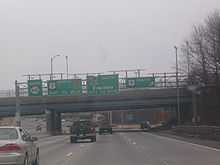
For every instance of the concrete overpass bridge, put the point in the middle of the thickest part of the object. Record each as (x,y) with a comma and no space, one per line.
(133,93)
(53,106)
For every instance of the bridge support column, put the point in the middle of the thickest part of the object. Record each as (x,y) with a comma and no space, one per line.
(50,122)
(58,123)
(110,117)
(122,117)
(53,120)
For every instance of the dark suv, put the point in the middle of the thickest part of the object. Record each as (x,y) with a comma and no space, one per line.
(82,129)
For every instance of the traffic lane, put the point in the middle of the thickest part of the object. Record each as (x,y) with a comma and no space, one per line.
(43,142)
(108,150)
(127,149)
(112,150)
(57,150)
(168,151)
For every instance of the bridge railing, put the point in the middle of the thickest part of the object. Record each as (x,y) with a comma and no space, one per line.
(7,93)
(161,80)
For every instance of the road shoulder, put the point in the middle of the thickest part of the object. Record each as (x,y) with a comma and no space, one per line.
(194,140)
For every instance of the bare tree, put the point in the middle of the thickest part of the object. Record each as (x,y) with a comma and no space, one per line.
(201,52)
(212,36)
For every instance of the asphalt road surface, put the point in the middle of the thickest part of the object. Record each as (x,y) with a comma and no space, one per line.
(137,148)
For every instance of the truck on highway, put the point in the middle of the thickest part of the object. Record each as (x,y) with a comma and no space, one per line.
(82,129)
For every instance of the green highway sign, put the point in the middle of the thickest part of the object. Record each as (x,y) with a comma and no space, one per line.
(140,82)
(107,84)
(65,87)
(35,88)
(130,116)
(102,85)
(91,85)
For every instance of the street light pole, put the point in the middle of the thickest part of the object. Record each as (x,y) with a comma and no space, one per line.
(51,68)
(177,85)
(51,65)
(67,68)
(18,111)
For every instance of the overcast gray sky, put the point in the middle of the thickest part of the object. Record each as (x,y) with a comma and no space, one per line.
(97,35)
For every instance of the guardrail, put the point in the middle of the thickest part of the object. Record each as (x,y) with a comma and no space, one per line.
(207,132)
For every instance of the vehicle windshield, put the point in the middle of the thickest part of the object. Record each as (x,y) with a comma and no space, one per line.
(82,123)
(8,134)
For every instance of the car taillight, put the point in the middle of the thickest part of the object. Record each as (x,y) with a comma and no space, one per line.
(93,129)
(10,147)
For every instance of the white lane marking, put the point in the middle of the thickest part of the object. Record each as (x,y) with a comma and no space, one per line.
(82,145)
(165,163)
(52,141)
(129,140)
(185,142)
(69,154)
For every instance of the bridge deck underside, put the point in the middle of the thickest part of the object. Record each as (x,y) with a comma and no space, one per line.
(125,100)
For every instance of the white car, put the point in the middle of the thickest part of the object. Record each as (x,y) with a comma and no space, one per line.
(17,147)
